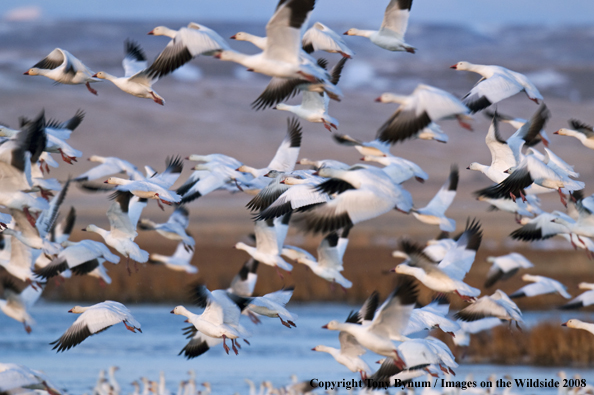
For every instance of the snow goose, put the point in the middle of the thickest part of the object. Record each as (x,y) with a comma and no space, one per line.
(432,316)
(77,254)
(138,78)
(62,67)
(505,266)
(19,379)
(389,371)
(545,226)
(15,302)
(122,218)
(314,105)
(95,319)
(540,285)
(155,187)
(107,166)
(320,37)
(174,229)
(577,324)
(502,157)
(427,351)
(399,169)
(434,212)
(462,336)
(186,44)
(363,193)
(244,282)
(273,305)
(220,318)
(16,157)
(318,164)
(521,132)
(530,170)
(269,244)
(300,195)
(286,154)
(584,224)
(348,354)
(497,83)
(498,305)
(280,57)
(375,330)
(583,300)
(581,131)
(181,260)
(328,265)
(218,172)
(365,148)
(391,33)
(199,343)
(112,380)
(448,275)
(426,105)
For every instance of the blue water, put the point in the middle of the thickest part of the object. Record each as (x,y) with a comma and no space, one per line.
(275,353)
(460,12)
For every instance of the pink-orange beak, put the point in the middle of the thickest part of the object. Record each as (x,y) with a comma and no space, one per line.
(70,311)
(233,37)
(172,312)
(379,99)
(325,326)
(26,72)
(94,75)
(455,67)
(313,349)
(105,182)
(557,132)
(564,324)
(345,33)
(151,33)
(217,55)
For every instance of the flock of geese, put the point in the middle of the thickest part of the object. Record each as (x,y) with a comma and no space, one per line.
(329,199)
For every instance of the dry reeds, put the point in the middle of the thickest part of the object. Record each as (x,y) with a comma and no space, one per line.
(545,344)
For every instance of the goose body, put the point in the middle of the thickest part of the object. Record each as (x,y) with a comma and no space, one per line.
(62,67)
(390,36)
(95,319)
(497,83)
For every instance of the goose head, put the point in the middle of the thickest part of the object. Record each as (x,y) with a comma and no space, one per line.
(461,66)
(475,166)
(565,132)
(573,323)
(332,325)
(101,75)
(78,310)
(240,36)
(179,310)
(391,98)
(32,71)
(352,32)
(162,31)
(282,107)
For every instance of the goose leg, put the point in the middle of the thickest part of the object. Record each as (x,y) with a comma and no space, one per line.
(562,197)
(45,193)
(41,162)
(158,101)
(523,196)
(233,346)
(247,342)
(283,322)
(253,317)
(93,91)
(292,323)
(130,328)
(398,361)
(279,273)
(225,346)
(29,216)
(465,125)
(326,125)
(66,158)
(128,266)
(160,205)
(27,327)
(237,344)
(518,326)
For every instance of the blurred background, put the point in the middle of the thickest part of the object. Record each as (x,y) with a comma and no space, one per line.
(208,110)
